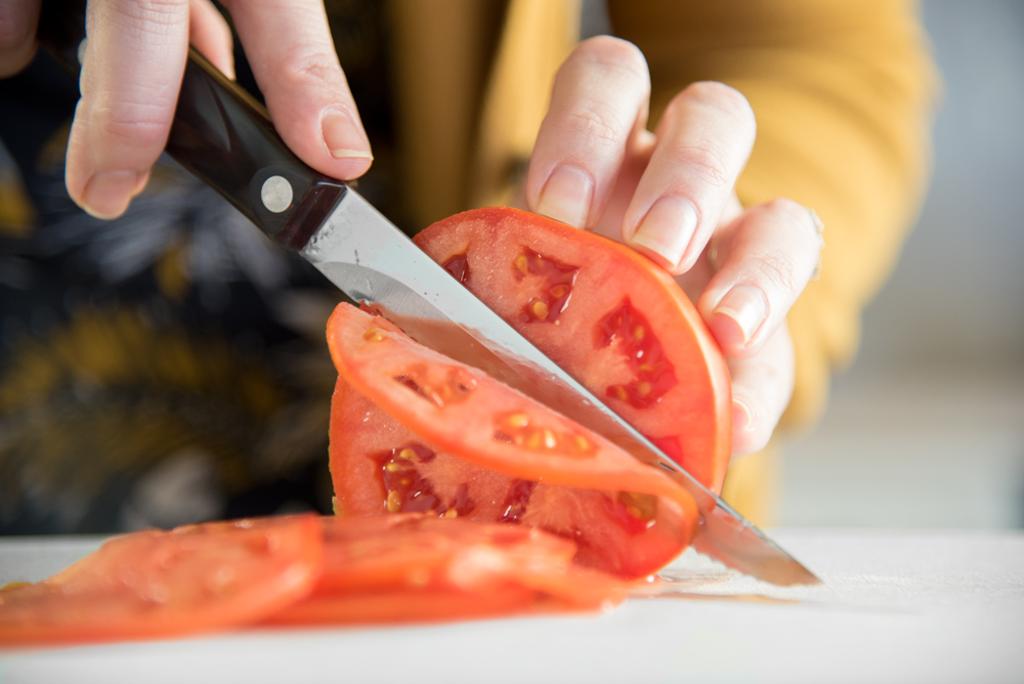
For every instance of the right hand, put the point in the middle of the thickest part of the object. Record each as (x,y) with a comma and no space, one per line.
(134,61)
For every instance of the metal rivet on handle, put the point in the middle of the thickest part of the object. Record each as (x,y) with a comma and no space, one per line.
(276,194)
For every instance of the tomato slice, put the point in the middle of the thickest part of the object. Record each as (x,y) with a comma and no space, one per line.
(371,454)
(456,410)
(153,584)
(415,568)
(615,321)
(406,605)
(467,413)
(415,550)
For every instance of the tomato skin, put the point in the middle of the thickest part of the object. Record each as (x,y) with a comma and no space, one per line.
(683,403)
(156,584)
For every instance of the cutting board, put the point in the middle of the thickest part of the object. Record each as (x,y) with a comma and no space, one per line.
(905,606)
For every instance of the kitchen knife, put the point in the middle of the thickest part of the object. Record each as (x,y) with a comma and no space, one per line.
(225,138)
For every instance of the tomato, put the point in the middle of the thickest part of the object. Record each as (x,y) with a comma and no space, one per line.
(406,605)
(457,417)
(415,550)
(368,450)
(153,584)
(607,315)
(415,568)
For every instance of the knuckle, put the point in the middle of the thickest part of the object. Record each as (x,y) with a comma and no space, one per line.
(595,123)
(705,160)
(776,271)
(139,127)
(303,67)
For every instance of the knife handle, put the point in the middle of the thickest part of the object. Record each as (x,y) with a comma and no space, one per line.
(224,137)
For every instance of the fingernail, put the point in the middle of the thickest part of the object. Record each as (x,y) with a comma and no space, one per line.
(744,309)
(742,418)
(667,229)
(108,193)
(567,195)
(343,137)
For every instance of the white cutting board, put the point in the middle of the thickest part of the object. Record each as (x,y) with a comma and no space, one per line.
(896,607)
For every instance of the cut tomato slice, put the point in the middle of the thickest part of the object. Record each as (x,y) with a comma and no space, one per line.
(415,568)
(415,550)
(405,605)
(607,315)
(154,584)
(467,413)
(371,455)
(453,409)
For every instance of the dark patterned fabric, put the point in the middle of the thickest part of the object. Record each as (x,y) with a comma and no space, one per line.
(169,366)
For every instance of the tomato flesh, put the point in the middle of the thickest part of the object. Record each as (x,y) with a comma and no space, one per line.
(496,453)
(610,531)
(416,568)
(607,315)
(154,584)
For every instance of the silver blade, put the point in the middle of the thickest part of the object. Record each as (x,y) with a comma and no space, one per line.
(368,258)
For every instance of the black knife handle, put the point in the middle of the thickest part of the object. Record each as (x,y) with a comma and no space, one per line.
(225,138)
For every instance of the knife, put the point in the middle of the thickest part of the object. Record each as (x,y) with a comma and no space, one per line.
(225,138)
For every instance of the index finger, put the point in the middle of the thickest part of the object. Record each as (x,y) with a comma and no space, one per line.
(292,54)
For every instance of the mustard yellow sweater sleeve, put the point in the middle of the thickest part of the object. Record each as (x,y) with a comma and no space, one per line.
(842,92)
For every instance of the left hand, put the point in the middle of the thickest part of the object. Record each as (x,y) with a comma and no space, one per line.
(669,194)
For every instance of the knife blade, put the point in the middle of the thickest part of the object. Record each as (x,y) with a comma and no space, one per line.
(226,139)
(370,259)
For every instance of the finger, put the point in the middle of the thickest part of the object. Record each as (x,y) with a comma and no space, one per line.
(292,54)
(761,387)
(131,74)
(18,20)
(209,32)
(704,139)
(599,99)
(769,254)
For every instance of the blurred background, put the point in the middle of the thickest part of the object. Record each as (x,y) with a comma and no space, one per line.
(926,428)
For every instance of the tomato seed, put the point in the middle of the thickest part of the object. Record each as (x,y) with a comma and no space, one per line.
(540,310)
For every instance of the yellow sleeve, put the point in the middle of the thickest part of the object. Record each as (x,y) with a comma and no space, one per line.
(842,92)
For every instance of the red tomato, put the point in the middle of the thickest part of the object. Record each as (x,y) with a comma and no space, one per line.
(611,530)
(415,568)
(154,584)
(415,550)
(615,321)
(406,605)
(456,410)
